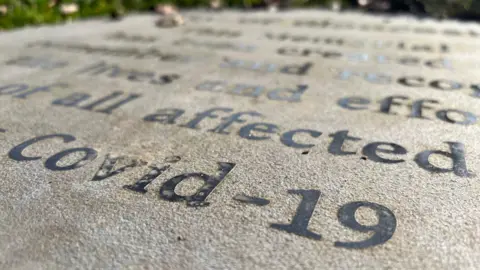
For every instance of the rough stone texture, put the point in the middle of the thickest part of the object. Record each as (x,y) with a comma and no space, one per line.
(62,219)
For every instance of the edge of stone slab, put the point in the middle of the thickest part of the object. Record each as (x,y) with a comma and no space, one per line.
(314,12)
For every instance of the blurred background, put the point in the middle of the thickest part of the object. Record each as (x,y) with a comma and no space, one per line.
(18,13)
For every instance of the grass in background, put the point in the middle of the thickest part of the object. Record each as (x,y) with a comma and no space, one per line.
(35,12)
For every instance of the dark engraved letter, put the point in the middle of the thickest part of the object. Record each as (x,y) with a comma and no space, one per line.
(293,51)
(457,155)
(378,78)
(166,79)
(251,200)
(232,63)
(139,76)
(339,139)
(409,60)
(422,47)
(468,118)
(439,63)
(164,116)
(382,231)
(279,37)
(167,191)
(71,100)
(12,89)
(417,107)
(370,150)
(51,162)
(349,101)
(105,171)
(141,184)
(412,81)
(229,120)
(346,74)
(16,152)
(247,90)
(246,131)
(100,65)
(476,90)
(214,86)
(293,94)
(330,54)
(299,224)
(40,89)
(102,100)
(297,69)
(386,103)
(206,114)
(446,85)
(287,138)
(112,107)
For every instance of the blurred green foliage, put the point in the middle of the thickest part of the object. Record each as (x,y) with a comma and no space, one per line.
(33,12)
(447,8)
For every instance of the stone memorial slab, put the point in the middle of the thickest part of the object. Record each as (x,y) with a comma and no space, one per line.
(294,140)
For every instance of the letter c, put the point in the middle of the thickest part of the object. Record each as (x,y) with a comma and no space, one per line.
(16,152)
(287,138)
(412,81)
(51,163)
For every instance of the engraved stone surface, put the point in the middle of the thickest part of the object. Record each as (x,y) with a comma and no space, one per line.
(296,140)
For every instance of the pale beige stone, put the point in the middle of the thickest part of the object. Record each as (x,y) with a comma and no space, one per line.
(62,219)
